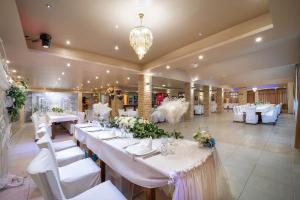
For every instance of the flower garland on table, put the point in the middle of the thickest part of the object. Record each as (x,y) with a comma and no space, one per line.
(57,110)
(142,128)
(15,99)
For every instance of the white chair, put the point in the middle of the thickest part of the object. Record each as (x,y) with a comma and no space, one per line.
(251,116)
(40,122)
(48,178)
(63,157)
(81,119)
(269,117)
(198,109)
(237,115)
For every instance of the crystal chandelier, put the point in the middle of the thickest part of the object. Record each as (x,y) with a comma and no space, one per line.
(141,39)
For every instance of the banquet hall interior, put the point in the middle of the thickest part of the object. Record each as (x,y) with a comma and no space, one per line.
(149,99)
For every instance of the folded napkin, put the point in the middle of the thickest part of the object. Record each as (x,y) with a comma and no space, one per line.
(108,134)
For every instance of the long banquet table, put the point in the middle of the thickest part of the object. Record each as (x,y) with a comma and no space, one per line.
(56,118)
(196,173)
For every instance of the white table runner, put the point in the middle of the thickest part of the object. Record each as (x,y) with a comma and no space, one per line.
(196,172)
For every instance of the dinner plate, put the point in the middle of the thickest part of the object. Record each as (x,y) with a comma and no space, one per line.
(139,150)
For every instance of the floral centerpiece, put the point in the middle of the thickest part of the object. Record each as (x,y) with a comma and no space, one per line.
(15,99)
(142,128)
(205,139)
(57,110)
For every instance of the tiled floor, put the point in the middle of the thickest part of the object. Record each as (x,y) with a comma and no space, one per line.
(259,159)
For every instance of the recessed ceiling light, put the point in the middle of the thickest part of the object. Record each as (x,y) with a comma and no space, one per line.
(128,78)
(63,73)
(68,64)
(258,39)
(168,67)
(200,57)
(7,61)
(59,79)
(107,71)
(107,84)
(116,26)
(14,71)
(18,77)
(96,88)
(97,77)
(164,85)
(101,86)
(116,48)
(200,34)
(117,82)
(48,5)
(88,81)
(68,42)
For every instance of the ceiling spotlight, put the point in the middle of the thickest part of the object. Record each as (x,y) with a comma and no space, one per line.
(164,85)
(116,26)
(46,40)
(48,5)
(117,82)
(107,71)
(101,86)
(258,39)
(68,42)
(59,79)
(97,77)
(200,57)
(88,81)
(14,71)
(128,78)
(63,73)
(168,67)
(200,34)
(254,89)
(7,61)
(68,64)
(116,48)
(96,88)
(18,77)
(108,84)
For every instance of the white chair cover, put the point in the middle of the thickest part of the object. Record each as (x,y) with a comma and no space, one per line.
(237,114)
(251,117)
(43,171)
(270,116)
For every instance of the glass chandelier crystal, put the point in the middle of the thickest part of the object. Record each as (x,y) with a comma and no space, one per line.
(141,39)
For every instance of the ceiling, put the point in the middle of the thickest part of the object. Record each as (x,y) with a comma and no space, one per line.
(231,56)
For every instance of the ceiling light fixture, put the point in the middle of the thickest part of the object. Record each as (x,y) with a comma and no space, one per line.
(116,48)
(59,79)
(128,78)
(107,71)
(254,89)
(63,73)
(97,77)
(200,57)
(48,5)
(117,82)
(68,64)
(14,71)
(164,85)
(258,39)
(168,67)
(195,65)
(7,61)
(116,26)
(88,81)
(68,42)
(18,77)
(141,38)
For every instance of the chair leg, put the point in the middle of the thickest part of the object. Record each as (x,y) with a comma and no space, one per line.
(102,166)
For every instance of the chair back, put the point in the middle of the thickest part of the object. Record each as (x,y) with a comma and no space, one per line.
(46,142)
(250,111)
(44,173)
(81,116)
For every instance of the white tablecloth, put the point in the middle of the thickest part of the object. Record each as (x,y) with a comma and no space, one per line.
(61,117)
(196,172)
(263,108)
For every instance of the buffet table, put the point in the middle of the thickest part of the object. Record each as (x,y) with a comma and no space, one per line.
(195,172)
(56,118)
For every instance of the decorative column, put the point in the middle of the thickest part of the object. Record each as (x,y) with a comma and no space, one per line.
(220,100)
(79,101)
(189,97)
(256,97)
(290,97)
(243,96)
(206,100)
(145,96)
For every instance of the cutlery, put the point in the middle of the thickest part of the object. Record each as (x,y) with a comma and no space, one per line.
(151,155)
(130,145)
